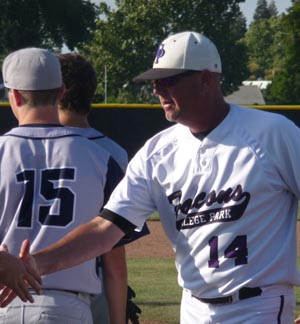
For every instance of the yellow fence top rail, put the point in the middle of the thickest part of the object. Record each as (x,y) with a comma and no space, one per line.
(118,105)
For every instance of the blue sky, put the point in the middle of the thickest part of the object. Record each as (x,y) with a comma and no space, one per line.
(248,7)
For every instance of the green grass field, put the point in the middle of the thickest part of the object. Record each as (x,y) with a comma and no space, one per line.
(157,292)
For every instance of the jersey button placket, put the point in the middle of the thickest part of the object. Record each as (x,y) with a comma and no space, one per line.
(201,161)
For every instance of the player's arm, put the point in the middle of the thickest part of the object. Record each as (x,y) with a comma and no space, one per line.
(85,242)
(115,282)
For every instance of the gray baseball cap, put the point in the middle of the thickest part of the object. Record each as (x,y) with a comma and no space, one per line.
(31,69)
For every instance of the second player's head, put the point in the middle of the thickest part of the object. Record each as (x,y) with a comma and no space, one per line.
(80,80)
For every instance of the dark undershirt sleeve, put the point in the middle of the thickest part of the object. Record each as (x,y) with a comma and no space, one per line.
(114,175)
(123,224)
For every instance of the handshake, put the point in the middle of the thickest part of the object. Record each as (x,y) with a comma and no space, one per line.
(17,275)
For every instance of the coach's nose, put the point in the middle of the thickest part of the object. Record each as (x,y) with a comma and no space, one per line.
(158,88)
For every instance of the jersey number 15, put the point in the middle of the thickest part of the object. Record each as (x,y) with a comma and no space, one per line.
(50,193)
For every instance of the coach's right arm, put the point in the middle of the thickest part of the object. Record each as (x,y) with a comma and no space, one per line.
(85,242)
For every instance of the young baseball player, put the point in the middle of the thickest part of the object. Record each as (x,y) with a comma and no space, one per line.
(80,81)
(226,182)
(52,180)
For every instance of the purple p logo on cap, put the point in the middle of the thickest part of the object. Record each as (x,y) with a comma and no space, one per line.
(160,53)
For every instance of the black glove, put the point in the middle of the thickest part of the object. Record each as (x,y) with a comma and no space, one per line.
(132,310)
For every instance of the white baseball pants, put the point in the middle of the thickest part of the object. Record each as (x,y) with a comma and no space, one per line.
(53,307)
(275,306)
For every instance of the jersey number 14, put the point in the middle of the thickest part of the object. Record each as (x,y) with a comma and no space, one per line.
(237,250)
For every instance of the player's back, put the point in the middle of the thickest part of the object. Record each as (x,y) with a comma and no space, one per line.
(52,180)
(114,149)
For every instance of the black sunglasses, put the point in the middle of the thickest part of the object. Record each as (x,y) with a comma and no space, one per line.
(172,80)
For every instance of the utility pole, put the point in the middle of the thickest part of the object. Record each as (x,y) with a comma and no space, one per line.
(105,84)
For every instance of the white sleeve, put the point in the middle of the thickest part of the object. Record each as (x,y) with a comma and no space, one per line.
(284,148)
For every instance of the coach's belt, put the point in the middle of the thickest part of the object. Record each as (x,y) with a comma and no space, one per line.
(243,293)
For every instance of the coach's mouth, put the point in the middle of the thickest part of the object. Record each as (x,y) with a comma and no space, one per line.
(167,104)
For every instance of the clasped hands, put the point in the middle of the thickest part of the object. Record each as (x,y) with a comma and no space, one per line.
(17,275)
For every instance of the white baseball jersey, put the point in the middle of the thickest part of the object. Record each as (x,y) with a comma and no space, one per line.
(228,203)
(115,150)
(52,180)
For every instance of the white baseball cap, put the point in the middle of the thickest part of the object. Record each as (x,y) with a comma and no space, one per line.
(181,52)
(32,69)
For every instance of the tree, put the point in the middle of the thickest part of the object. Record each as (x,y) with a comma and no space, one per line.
(264,11)
(285,87)
(264,47)
(125,41)
(273,11)
(45,23)
(261,11)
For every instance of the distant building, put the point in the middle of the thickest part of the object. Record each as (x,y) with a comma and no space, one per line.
(247,95)
(262,84)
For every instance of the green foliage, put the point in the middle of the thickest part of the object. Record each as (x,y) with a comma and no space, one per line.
(45,23)
(261,11)
(285,88)
(273,9)
(259,39)
(264,41)
(126,40)
(273,44)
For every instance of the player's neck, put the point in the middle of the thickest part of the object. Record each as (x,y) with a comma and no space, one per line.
(69,118)
(38,115)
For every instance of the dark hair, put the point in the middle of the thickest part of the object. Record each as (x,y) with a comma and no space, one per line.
(80,80)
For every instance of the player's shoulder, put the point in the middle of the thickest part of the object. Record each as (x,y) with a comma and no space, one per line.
(109,144)
(258,118)
(39,132)
(258,128)
(97,137)
(117,152)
